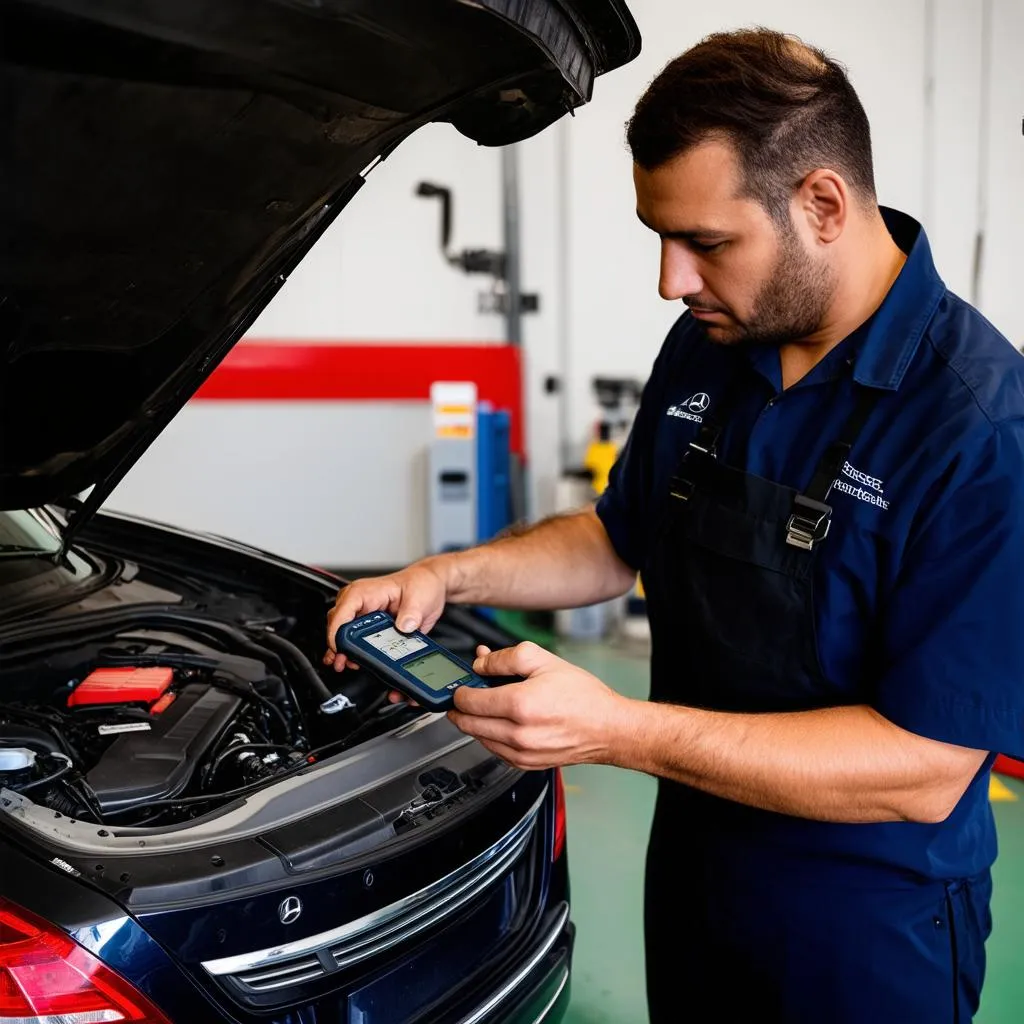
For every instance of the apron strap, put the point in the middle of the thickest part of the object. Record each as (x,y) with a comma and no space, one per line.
(705,444)
(811,517)
(710,433)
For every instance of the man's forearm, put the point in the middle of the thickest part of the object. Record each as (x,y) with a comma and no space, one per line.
(562,562)
(838,764)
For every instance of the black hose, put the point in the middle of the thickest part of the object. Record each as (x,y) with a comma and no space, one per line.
(237,749)
(52,777)
(258,698)
(371,719)
(38,716)
(81,788)
(316,685)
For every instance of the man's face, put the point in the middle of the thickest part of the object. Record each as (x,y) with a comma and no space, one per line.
(743,276)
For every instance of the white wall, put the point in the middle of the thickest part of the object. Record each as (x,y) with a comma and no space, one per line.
(276,475)
(377,274)
(946,120)
(1002,215)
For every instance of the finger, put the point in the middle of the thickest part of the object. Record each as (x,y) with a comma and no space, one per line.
(348,606)
(499,729)
(352,601)
(497,702)
(522,660)
(416,611)
(431,619)
(482,651)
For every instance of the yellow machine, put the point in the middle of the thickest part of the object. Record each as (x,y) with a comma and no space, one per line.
(599,459)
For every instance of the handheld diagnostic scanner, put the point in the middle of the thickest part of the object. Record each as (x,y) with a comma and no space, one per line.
(411,663)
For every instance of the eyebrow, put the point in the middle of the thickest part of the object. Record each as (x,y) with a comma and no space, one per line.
(684,236)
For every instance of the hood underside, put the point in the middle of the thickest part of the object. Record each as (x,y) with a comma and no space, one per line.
(166,165)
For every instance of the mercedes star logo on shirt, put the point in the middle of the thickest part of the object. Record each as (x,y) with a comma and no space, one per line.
(699,403)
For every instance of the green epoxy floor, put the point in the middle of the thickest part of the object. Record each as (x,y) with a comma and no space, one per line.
(609,812)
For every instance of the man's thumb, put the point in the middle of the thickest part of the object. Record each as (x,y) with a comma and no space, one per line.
(410,615)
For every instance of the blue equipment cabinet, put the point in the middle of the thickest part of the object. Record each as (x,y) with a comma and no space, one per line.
(494,491)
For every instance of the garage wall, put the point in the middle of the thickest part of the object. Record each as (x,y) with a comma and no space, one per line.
(1002,199)
(377,273)
(942,83)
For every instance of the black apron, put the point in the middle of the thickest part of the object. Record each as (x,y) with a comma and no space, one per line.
(742,923)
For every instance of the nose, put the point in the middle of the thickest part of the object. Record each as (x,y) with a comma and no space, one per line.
(679,272)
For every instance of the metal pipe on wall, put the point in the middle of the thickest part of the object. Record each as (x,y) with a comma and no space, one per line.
(513,245)
(513,305)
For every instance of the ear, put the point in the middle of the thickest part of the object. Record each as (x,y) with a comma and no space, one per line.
(823,201)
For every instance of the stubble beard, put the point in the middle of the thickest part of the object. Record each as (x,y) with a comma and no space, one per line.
(791,304)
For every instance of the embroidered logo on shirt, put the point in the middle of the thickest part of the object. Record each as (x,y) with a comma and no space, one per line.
(874,495)
(692,408)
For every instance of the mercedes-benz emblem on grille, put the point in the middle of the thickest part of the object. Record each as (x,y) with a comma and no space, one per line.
(290,909)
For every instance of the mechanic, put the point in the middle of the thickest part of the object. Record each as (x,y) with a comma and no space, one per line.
(822,491)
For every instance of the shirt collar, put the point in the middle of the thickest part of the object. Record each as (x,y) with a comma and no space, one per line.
(898,325)
(885,344)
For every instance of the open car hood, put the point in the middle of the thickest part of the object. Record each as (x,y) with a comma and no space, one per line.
(167,164)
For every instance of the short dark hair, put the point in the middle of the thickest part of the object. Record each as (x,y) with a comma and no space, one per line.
(786,107)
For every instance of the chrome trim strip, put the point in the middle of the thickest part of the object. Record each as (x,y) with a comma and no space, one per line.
(312,943)
(554,999)
(311,974)
(522,974)
(306,964)
(447,903)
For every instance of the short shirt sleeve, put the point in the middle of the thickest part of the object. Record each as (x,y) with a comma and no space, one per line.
(954,624)
(625,506)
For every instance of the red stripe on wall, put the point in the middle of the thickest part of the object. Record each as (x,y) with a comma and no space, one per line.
(278,371)
(1007,766)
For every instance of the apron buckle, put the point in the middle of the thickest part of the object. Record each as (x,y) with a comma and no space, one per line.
(681,488)
(809,523)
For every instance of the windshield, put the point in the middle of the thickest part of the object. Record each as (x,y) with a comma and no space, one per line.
(30,578)
(27,532)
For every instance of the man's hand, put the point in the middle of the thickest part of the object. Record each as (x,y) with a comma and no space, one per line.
(559,715)
(415,597)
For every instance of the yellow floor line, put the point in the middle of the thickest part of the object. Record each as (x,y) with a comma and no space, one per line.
(572,788)
(998,790)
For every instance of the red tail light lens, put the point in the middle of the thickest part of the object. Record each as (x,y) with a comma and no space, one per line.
(559,843)
(46,977)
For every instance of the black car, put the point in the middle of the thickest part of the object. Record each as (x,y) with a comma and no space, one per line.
(198,821)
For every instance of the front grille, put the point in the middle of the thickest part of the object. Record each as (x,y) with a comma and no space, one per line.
(316,957)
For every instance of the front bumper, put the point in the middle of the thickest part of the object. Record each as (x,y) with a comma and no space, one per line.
(539,989)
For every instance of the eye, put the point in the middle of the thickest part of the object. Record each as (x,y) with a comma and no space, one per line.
(707,247)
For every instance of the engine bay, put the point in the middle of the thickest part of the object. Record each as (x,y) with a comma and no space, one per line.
(170,716)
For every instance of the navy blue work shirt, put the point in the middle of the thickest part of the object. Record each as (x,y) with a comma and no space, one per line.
(919,586)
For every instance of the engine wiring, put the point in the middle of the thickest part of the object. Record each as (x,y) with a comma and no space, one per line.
(53,776)
(269,735)
(307,762)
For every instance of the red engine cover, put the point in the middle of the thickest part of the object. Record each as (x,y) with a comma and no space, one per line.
(122,686)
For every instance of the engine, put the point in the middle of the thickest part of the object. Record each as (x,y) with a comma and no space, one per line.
(159,726)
